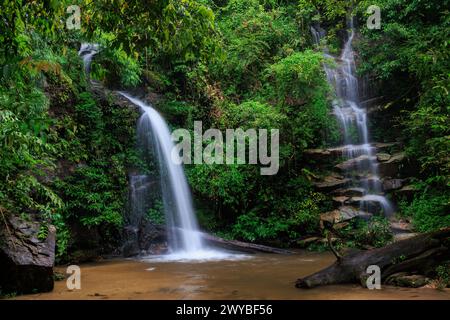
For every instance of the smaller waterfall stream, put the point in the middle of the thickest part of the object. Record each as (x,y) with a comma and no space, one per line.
(357,149)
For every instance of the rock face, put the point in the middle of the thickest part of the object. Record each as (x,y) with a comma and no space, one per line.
(26,262)
(392,184)
(147,238)
(393,166)
(406,192)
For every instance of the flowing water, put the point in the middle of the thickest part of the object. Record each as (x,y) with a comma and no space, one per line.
(87,52)
(266,276)
(353,119)
(185,239)
(154,138)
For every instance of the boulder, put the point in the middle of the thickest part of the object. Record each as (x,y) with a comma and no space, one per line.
(146,238)
(403,279)
(407,192)
(26,260)
(392,184)
(392,167)
(383,156)
(152,238)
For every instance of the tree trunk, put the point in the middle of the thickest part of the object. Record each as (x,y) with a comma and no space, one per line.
(418,254)
(242,246)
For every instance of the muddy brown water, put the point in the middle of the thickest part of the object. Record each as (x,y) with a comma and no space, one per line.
(263,276)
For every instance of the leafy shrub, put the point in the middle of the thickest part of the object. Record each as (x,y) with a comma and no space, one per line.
(297,76)
(251,227)
(117,68)
(255,34)
(292,215)
(429,211)
(156,213)
(443,276)
(376,232)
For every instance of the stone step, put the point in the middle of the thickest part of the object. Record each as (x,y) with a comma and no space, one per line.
(371,203)
(391,167)
(362,162)
(342,214)
(349,192)
(331,182)
(326,153)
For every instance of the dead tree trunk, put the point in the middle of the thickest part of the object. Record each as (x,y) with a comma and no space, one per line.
(241,246)
(418,254)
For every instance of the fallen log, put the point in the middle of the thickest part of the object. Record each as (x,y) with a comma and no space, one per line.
(419,254)
(240,246)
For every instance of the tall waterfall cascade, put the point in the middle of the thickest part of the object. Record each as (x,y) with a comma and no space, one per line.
(184,237)
(183,232)
(352,117)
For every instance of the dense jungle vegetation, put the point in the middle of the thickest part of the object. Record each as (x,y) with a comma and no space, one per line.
(231,63)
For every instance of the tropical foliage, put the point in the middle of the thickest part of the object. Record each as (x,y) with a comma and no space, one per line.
(65,152)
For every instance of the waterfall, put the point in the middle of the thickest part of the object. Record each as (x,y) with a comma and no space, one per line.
(87,51)
(351,116)
(184,237)
(182,227)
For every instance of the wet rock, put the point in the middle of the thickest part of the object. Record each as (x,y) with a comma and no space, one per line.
(342,214)
(349,192)
(331,182)
(383,157)
(403,279)
(340,200)
(406,192)
(26,261)
(148,238)
(361,162)
(385,146)
(318,155)
(131,245)
(324,155)
(367,203)
(151,236)
(392,184)
(392,167)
